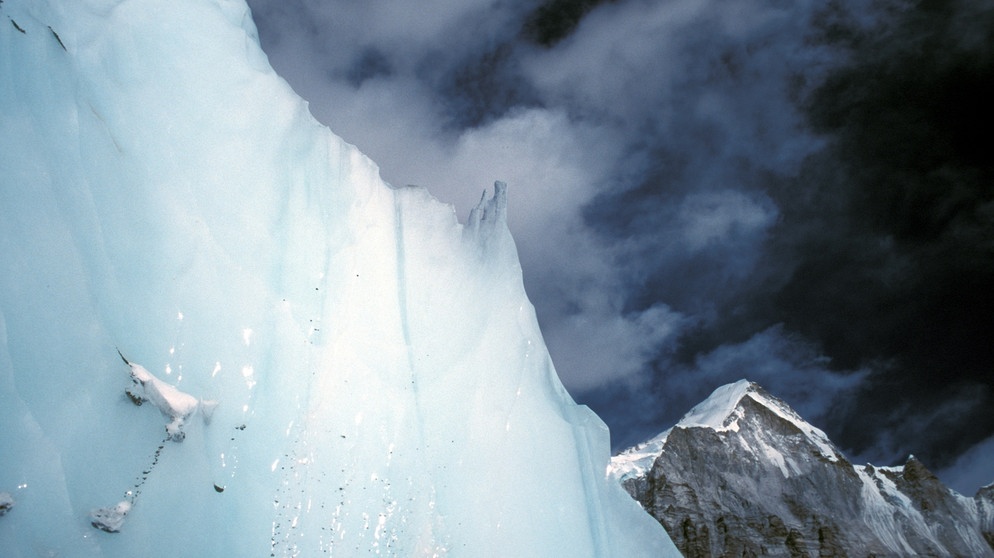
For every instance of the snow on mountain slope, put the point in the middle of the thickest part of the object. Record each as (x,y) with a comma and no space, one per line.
(382,386)
(985,511)
(636,461)
(720,412)
(743,473)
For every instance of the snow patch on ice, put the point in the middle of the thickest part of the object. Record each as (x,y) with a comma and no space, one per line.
(169,399)
(175,404)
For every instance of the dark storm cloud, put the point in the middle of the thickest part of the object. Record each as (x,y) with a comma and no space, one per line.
(704,97)
(905,279)
(785,191)
(483,87)
(883,251)
(460,52)
(554,20)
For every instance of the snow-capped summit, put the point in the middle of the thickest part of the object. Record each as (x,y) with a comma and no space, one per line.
(724,411)
(743,474)
(726,407)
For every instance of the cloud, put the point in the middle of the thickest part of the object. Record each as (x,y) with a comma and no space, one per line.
(799,372)
(890,254)
(860,138)
(785,364)
(599,345)
(702,191)
(972,469)
(554,165)
(342,31)
(722,217)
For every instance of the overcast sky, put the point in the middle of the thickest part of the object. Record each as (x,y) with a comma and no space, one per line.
(796,192)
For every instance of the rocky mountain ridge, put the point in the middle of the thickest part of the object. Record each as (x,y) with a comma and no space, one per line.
(743,474)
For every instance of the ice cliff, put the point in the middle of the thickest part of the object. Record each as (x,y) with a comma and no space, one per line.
(380,380)
(742,474)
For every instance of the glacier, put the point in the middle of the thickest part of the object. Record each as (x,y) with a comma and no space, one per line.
(370,371)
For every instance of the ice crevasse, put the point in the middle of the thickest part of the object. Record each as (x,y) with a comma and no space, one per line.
(371,376)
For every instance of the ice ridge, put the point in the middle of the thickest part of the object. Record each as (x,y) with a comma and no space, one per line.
(385,387)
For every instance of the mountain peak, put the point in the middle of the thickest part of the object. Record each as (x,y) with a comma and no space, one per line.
(915,470)
(725,407)
(718,411)
(722,411)
(742,473)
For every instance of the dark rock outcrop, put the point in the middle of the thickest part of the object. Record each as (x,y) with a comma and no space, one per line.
(743,475)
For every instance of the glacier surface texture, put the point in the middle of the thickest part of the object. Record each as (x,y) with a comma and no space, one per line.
(311,361)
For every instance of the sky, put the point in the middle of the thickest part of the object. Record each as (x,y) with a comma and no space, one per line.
(800,193)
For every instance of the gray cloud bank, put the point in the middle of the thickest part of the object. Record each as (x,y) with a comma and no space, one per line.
(801,193)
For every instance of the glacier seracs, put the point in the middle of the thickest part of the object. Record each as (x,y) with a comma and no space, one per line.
(383,386)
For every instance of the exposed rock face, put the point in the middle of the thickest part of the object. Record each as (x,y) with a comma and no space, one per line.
(743,475)
(985,509)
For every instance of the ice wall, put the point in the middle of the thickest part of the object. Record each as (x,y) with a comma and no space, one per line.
(382,384)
